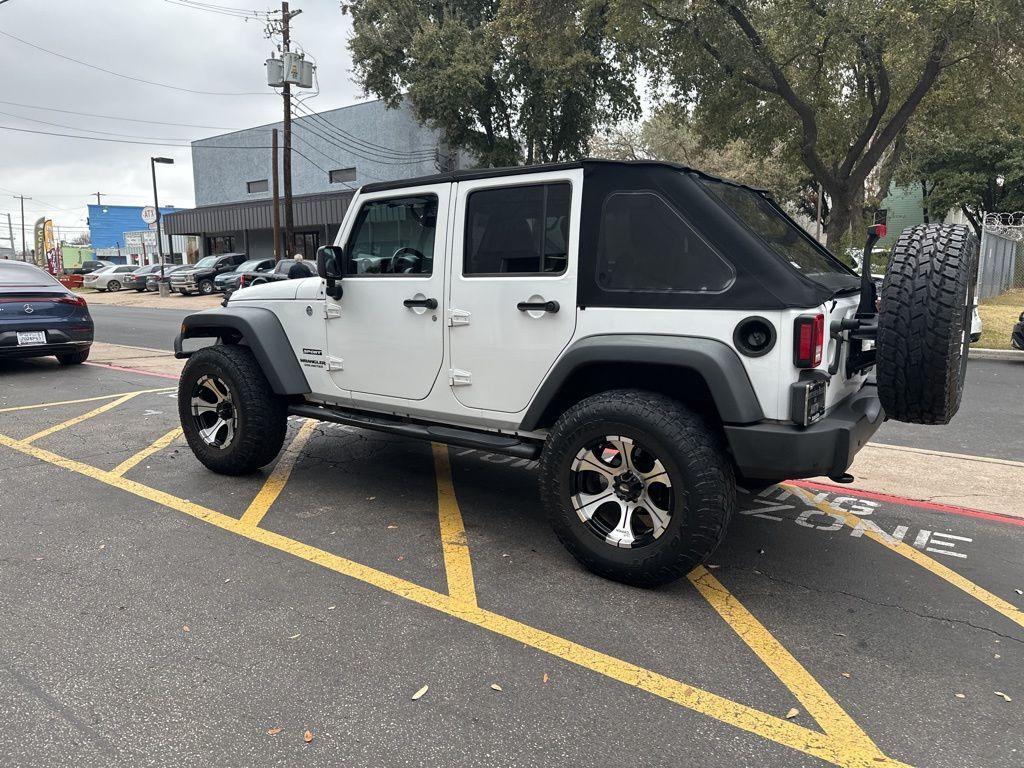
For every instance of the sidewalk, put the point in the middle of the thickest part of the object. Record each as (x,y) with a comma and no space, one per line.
(975,482)
(154,361)
(151,300)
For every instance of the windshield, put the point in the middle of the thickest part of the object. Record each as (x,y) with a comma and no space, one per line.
(250,266)
(209,261)
(776,229)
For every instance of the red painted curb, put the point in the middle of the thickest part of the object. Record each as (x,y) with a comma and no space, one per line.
(135,370)
(929,505)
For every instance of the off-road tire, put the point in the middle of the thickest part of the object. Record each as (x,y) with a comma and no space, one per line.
(691,450)
(924,323)
(262,414)
(74,358)
(206,287)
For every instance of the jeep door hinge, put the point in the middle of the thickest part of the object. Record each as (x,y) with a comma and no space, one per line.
(335,364)
(457,378)
(331,312)
(458,317)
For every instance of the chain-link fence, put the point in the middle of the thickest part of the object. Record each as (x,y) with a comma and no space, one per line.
(1001,267)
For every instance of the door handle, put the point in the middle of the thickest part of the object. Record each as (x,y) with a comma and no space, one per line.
(428,303)
(538,306)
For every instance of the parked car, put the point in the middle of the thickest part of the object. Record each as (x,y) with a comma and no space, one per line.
(137,279)
(280,272)
(652,334)
(200,276)
(110,278)
(152,281)
(89,266)
(228,281)
(976,324)
(40,317)
(1017,337)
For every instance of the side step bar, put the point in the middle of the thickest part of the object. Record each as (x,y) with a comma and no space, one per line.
(465,438)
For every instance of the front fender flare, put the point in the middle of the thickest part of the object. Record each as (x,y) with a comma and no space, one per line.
(261,331)
(717,363)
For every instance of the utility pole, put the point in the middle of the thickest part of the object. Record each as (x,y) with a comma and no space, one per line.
(277,198)
(10,233)
(22,198)
(286,92)
(98,196)
(164,288)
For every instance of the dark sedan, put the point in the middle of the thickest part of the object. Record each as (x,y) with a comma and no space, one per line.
(153,279)
(279,272)
(138,278)
(228,281)
(40,317)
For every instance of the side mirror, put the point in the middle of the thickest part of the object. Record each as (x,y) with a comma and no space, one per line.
(329,259)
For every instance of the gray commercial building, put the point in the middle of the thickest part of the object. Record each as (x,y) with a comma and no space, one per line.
(334,152)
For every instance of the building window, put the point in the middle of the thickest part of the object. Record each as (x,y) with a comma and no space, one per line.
(220,244)
(341,175)
(307,244)
(257,186)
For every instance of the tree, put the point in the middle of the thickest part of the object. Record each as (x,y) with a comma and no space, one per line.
(82,239)
(510,80)
(835,83)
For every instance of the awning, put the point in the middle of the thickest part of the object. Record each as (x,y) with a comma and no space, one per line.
(308,211)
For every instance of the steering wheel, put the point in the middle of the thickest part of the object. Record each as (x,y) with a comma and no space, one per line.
(407,261)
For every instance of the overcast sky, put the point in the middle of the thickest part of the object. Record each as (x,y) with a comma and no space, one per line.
(157,40)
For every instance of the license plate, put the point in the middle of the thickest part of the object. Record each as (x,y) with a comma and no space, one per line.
(26,338)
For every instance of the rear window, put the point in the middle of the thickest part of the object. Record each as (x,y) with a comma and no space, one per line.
(779,233)
(25,275)
(646,245)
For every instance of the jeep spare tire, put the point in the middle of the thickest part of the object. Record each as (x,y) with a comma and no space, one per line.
(924,323)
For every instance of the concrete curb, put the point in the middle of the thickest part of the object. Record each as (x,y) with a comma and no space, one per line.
(997,354)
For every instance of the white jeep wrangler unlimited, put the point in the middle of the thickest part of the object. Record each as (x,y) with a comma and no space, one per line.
(651,333)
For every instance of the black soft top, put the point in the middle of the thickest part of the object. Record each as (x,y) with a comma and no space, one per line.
(764,278)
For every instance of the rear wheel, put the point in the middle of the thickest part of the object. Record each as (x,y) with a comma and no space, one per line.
(924,324)
(233,421)
(113,286)
(637,486)
(74,358)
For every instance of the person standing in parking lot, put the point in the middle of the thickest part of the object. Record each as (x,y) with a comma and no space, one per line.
(299,269)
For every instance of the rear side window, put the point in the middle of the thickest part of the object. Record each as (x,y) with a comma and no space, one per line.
(775,229)
(518,230)
(646,245)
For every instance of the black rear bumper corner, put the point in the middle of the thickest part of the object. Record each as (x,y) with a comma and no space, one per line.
(773,451)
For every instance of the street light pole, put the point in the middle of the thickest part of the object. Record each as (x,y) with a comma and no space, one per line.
(164,290)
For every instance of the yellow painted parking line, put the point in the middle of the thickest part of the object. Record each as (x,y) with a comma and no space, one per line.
(274,484)
(145,453)
(457,563)
(83,417)
(767,726)
(808,691)
(83,400)
(996,603)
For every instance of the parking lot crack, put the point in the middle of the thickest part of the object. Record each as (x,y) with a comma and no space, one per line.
(883,604)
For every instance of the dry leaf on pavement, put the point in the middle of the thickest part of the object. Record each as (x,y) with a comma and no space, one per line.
(274,731)
(792,713)
(495,686)
(1005,697)
(420,692)
(307,736)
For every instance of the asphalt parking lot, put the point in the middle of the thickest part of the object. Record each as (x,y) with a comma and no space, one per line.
(157,614)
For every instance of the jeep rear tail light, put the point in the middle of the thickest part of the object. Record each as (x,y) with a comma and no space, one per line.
(808,341)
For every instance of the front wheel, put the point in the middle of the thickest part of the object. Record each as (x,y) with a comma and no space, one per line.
(206,287)
(638,487)
(232,419)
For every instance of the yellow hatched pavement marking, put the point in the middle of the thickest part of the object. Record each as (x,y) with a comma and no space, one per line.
(458,565)
(79,419)
(274,484)
(996,603)
(808,691)
(14,408)
(779,730)
(145,453)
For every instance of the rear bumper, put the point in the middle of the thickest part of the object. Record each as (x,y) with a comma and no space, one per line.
(771,451)
(8,352)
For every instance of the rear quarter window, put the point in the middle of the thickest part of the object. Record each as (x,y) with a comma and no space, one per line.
(646,245)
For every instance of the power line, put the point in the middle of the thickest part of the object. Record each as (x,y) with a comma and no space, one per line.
(340,144)
(120,74)
(223,10)
(87,130)
(366,146)
(116,117)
